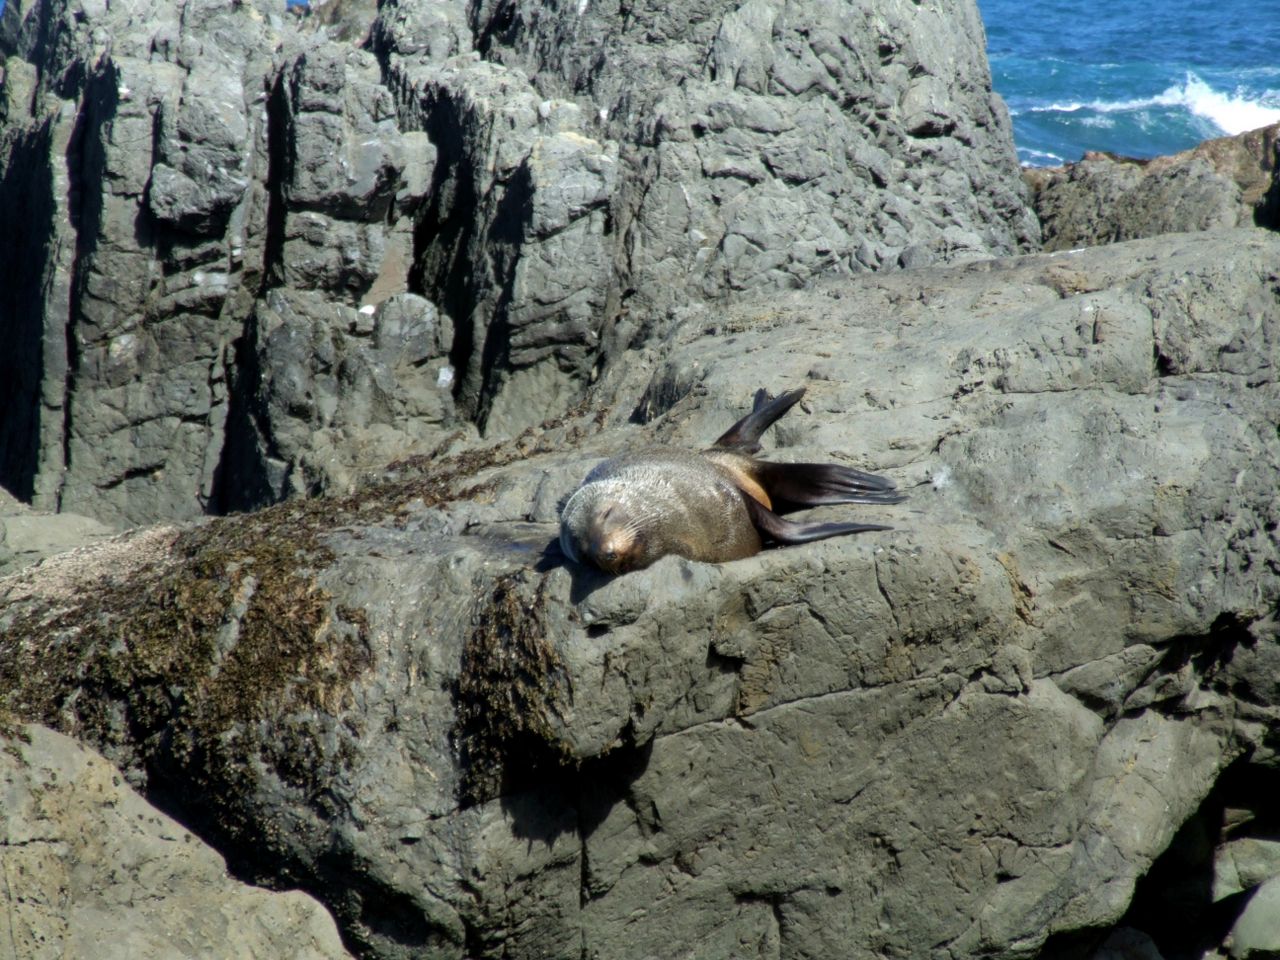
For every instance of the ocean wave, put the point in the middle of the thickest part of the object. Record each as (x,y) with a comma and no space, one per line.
(1039,158)
(1230,112)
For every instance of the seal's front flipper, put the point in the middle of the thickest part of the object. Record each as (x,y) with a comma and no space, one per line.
(773,529)
(793,486)
(745,434)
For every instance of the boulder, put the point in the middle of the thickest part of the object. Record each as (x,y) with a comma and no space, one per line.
(96,873)
(1227,182)
(1257,932)
(1243,864)
(979,729)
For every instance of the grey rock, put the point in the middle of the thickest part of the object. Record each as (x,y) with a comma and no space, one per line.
(143,239)
(334,97)
(203,175)
(837,129)
(523,198)
(101,874)
(435,31)
(342,173)
(348,20)
(1106,683)
(690,160)
(1257,931)
(1245,863)
(951,733)
(555,204)
(256,262)
(1256,674)
(1227,182)
(18,87)
(341,392)
(28,536)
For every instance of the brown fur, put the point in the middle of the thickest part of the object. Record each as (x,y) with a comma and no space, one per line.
(715,505)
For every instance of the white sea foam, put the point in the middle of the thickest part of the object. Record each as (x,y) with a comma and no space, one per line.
(1039,158)
(1230,112)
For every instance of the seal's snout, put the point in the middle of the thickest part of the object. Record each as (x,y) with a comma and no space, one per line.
(608,551)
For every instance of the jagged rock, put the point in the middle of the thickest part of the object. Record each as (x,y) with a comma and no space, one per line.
(202,175)
(100,874)
(838,127)
(348,20)
(167,170)
(761,149)
(141,148)
(339,199)
(1226,182)
(340,391)
(866,746)
(522,198)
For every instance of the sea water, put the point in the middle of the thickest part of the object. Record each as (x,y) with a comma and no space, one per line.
(1133,77)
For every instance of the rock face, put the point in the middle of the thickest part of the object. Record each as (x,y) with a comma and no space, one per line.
(1226,182)
(968,737)
(28,536)
(252,257)
(220,221)
(93,872)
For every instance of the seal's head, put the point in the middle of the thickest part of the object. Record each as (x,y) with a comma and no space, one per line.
(601,526)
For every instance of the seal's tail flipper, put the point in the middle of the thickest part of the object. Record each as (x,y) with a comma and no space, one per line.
(793,486)
(773,529)
(745,434)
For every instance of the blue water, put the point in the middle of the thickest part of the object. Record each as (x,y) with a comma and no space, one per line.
(1134,78)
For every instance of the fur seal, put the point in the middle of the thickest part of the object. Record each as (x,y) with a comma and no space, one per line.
(714,505)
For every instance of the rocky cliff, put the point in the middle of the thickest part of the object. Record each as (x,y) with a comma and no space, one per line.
(411,274)
(332,253)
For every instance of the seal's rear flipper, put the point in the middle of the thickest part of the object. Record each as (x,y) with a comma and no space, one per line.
(745,434)
(792,486)
(776,530)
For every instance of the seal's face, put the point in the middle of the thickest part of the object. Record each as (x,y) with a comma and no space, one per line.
(612,550)
(601,532)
